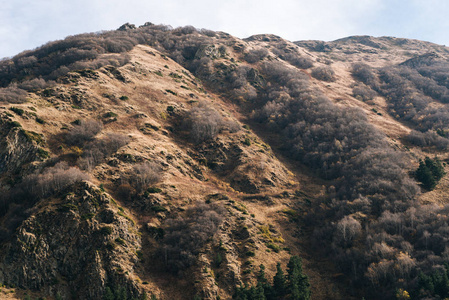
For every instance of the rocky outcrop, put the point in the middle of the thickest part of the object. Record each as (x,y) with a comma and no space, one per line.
(127,26)
(247,165)
(83,240)
(210,51)
(17,146)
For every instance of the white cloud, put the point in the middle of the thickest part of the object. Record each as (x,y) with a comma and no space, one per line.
(25,24)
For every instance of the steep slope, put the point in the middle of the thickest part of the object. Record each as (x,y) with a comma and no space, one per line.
(174,162)
(80,236)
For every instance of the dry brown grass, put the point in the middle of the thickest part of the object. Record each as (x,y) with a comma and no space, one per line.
(146,103)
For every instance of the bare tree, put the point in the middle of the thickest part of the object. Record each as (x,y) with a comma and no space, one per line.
(85,131)
(53,179)
(256,55)
(145,174)
(204,123)
(348,229)
(13,94)
(186,235)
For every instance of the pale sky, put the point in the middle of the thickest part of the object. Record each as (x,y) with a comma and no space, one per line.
(27,24)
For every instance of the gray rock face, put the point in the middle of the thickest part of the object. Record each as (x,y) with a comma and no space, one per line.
(210,51)
(80,241)
(17,147)
(127,26)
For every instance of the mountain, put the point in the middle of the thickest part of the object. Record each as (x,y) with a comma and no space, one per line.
(172,163)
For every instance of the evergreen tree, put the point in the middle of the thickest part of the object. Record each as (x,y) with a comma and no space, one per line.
(442,285)
(121,294)
(261,275)
(108,294)
(425,176)
(429,172)
(435,167)
(295,292)
(262,280)
(425,282)
(259,292)
(279,282)
(240,293)
(298,284)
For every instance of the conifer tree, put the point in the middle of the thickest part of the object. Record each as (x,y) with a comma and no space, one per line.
(108,294)
(435,167)
(298,284)
(260,292)
(429,172)
(294,286)
(261,275)
(262,280)
(424,175)
(279,282)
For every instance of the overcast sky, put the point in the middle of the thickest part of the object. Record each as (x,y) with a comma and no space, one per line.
(27,24)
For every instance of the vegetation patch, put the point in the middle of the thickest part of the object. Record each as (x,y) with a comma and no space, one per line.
(106,230)
(68,207)
(158,208)
(153,190)
(171,92)
(17,111)
(40,120)
(120,241)
(429,172)
(294,285)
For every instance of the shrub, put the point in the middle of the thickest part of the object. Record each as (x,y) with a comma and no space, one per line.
(12,94)
(106,230)
(85,131)
(17,110)
(294,58)
(110,114)
(158,208)
(15,124)
(363,93)
(153,190)
(52,180)
(256,55)
(204,123)
(145,174)
(288,76)
(427,139)
(324,74)
(301,62)
(98,150)
(363,73)
(185,236)
(120,241)
(35,84)
(125,191)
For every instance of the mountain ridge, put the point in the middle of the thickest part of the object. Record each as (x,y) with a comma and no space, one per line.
(257,149)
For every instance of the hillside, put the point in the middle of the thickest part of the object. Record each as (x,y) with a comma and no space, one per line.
(171,163)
